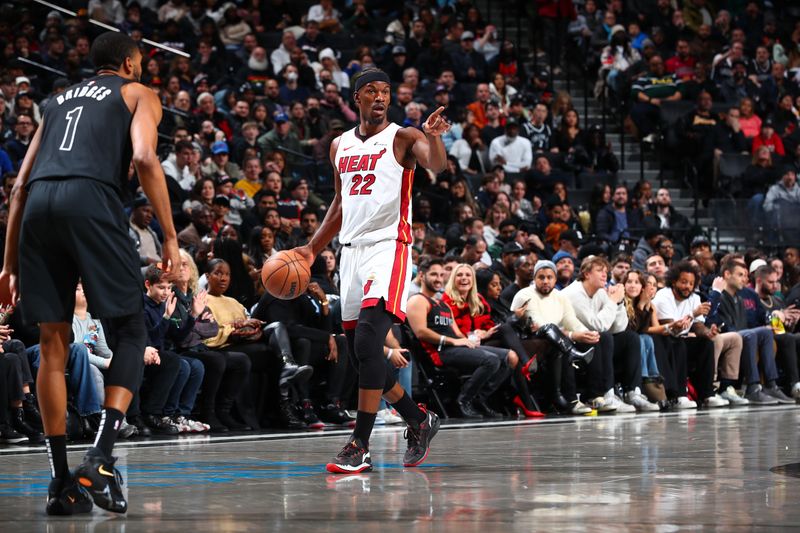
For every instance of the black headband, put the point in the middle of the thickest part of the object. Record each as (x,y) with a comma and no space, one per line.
(370,76)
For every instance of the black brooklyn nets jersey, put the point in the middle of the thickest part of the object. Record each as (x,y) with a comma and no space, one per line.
(87,134)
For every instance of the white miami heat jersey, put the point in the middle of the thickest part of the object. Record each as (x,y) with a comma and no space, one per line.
(376,189)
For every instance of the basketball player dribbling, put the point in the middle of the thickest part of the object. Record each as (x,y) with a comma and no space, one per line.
(373,173)
(66,223)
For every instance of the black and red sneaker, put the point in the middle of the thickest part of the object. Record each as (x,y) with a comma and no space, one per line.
(353,459)
(419,439)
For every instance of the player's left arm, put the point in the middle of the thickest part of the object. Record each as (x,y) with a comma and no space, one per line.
(428,147)
(19,195)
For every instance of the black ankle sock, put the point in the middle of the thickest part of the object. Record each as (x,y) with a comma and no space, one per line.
(410,411)
(57,454)
(110,421)
(363,429)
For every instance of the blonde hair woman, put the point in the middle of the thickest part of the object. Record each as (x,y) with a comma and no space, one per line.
(472,314)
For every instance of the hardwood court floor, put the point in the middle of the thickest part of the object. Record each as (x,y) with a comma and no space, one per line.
(724,470)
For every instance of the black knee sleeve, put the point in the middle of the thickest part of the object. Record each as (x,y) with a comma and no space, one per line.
(370,334)
(129,341)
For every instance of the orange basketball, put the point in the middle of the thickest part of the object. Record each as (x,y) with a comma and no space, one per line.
(285,275)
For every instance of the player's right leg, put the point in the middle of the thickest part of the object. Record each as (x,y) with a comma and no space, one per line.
(64,495)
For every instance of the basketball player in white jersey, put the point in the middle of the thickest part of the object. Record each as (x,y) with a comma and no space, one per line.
(373,168)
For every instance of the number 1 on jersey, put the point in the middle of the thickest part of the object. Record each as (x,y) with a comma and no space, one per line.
(365,182)
(72,126)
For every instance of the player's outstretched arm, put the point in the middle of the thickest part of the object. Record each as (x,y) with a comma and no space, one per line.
(333,218)
(19,194)
(144,137)
(428,147)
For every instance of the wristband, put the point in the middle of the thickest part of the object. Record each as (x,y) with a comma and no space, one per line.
(569,335)
(389,355)
(441,342)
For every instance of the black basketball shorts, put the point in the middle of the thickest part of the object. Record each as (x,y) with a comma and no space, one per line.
(76,228)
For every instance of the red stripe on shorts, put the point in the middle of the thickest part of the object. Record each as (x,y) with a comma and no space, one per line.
(404,227)
(398,280)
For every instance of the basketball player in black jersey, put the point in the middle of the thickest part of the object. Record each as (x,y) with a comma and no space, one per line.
(66,223)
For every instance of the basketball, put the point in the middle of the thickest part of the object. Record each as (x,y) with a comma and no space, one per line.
(285,275)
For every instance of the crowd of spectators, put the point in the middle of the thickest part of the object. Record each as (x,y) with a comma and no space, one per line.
(524,278)
(706,81)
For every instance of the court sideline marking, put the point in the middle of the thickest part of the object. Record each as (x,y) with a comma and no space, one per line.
(206,439)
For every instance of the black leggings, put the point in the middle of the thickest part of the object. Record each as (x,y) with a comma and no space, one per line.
(365,344)
(225,376)
(129,338)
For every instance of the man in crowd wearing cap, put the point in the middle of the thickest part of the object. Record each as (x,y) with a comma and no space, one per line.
(511,150)
(281,138)
(178,168)
(540,90)
(397,63)
(470,65)
(220,163)
(543,304)
(441,98)
(727,312)
(604,311)
(507,232)
(569,241)
(478,107)
(24,105)
(565,269)
(147,242)
(769,138)
(783,200)
(220,209)
(739,85)
(504,267)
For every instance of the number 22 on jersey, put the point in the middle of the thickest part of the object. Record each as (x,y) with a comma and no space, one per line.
(364,182)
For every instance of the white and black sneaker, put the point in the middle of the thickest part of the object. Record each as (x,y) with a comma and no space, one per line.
(353,459)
